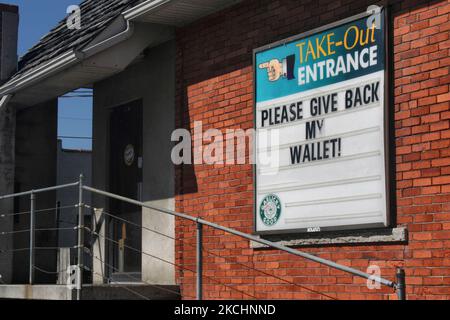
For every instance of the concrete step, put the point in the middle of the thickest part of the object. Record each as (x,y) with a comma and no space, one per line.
(130,292)
(124,278)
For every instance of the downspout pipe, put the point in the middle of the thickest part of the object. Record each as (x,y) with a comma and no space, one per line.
(65,61)
(4,100)
(112,41)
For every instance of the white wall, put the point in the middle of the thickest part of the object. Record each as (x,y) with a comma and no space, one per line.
(153,80)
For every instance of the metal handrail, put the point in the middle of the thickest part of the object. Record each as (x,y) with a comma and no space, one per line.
(25,193)
(399,285)
(32,230)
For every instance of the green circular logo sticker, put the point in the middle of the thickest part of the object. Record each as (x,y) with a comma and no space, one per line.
(270,210)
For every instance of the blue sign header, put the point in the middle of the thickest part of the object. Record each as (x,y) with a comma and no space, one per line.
(338,54)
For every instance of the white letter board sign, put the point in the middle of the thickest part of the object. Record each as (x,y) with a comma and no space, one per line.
(320,112)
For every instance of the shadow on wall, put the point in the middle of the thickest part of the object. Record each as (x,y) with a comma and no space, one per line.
(35,168)
(223,44)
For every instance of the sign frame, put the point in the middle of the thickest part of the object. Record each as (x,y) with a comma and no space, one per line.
(389,130)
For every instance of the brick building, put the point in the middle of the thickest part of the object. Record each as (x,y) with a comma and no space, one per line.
(156,66)
(214,85)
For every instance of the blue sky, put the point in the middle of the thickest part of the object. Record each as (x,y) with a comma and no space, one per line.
(37,17)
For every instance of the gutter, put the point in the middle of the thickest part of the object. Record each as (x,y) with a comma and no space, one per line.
(64,61)
(143,8)
(35,75)
(108,43)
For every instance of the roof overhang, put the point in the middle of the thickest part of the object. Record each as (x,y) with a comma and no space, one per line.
(147,24)
(175,12)
(82,68)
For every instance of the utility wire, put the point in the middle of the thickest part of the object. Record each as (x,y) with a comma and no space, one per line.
(4,233)
(50,248)
(72,137)
(47,271)
(78,96)
(56,229)
(75,119)
(54,208)
(14,250)
(4,215)
(216,255)
(35,248)
(36,211)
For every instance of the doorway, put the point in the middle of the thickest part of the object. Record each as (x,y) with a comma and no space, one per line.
(126,180)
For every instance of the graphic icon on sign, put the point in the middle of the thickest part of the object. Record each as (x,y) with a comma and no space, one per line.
(270,210)
(277,69)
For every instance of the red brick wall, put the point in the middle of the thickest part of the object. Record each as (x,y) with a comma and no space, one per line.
(214,72)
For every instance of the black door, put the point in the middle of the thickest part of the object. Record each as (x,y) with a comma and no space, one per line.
(126,180)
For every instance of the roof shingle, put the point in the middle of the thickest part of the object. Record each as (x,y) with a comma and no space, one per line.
(96,15)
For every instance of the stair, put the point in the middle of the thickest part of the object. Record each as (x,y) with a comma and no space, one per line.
(129,291)
(125,278)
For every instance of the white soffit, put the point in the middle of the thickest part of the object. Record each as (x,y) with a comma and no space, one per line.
(175,12)
(84,72)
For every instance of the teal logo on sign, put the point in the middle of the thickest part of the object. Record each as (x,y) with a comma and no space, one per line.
(338,54)
(270,210)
